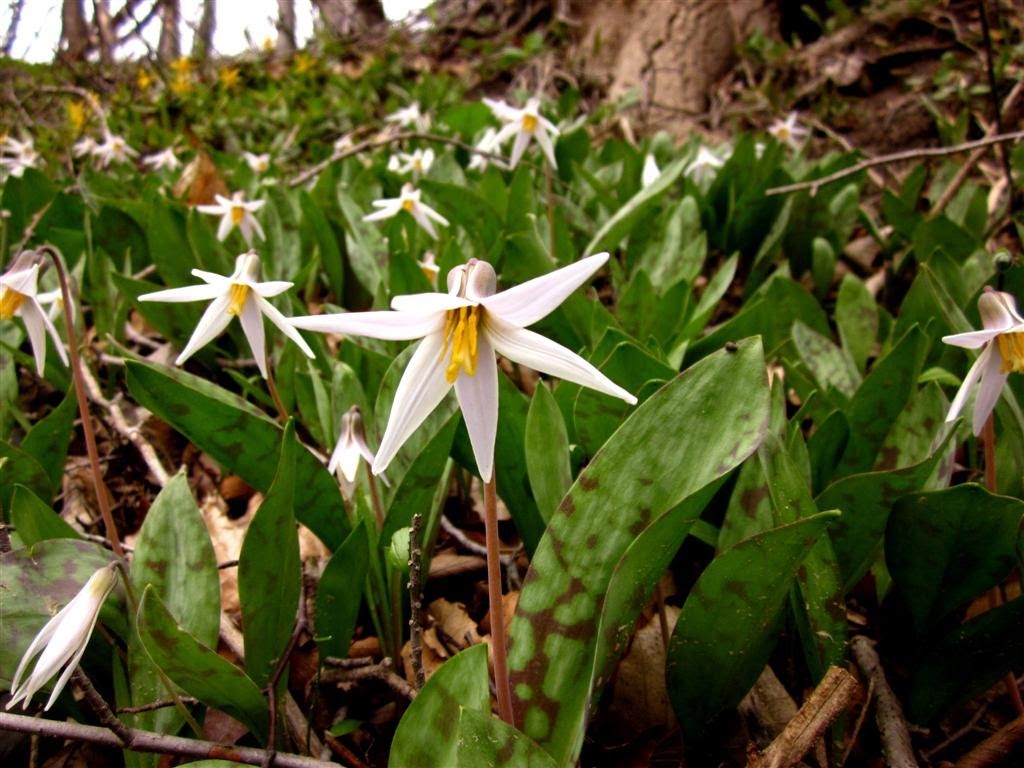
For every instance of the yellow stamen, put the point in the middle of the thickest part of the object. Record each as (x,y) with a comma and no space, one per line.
(10,300)
(1011,349)
(239,293)
(529,123)
(460,334)
(408,205)
(237,214)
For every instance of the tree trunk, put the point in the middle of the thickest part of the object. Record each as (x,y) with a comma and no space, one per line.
(203,43)
(74,33)
(169,47)
(285,29)
(105,28)
(12,30)
(347,17)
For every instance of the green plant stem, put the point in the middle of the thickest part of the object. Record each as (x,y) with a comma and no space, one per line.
(282,412)
(497,608)
(378,510)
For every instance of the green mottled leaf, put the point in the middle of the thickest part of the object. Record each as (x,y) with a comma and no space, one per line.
(48,440)
(20,468)
(340,593)
(269,571)
(947,547)
(547,451)
(241,438)
(365,246)
(427,736)
(197,668)
(484,740)
(831,367)
(35,521)
(629,484)
(856,319)
(729,623)
(168,246)
(917,431)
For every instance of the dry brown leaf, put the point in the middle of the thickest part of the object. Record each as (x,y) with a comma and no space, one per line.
(450,563)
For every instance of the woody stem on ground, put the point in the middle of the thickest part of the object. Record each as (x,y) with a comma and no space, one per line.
(497,609)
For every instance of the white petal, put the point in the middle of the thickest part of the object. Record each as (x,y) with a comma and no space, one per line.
(214,320)
(58,342)
(989,388)
(506,133)
(22,281)
(188,293)
(36,328)
(347,460)
(270,288)
(968,384)
(282,322)
(254,223)
(423,221)
(433,214)
(212,277)
(546,146)
(971,339)
(540,353)
(252,326)
(391,326)
(383,213)
(217,210)
(478,400)
(424,303)
(422,387)
(528,302)
(522,141)
(225,227)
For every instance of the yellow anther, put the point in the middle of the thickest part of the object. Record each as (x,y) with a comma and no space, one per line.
(529,123)
(237,214)
(1011,349)
(408,205)
(239,293)
(9,303)
(461,335)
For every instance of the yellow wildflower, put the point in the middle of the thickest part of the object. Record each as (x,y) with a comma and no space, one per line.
(77,115)
(228,77)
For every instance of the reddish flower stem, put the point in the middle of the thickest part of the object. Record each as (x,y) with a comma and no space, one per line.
(497,608)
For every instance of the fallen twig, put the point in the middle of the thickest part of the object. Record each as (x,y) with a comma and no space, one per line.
(994,749)
(383,672)
(892,727)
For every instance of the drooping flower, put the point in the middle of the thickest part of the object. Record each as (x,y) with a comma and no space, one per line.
(257,163)
(650,173)
(409,201)
(417,163)
(1003,353)
(789,131)
(524,124)
(166,158)
(704,165)
(62,641)
(237,295)
(428,266)
(19,296)
(351,447)
(236,211)
(114,149)
(409,117)
(488,143)
(462,331)
(18,155)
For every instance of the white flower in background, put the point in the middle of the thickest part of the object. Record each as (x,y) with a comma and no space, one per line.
(704,166)
(84,146)
(488,143)
(429,267)
(19,296)
(257,163)
(114,149)
(1003,353)
(237,295)
(166,158)
(408,201)
(343,143)
(409,117)
(18,155)
(236,211)
(524,124)
(789,131)
(462,331)
(62,641)
(417,163)
(650,173)
(351,447)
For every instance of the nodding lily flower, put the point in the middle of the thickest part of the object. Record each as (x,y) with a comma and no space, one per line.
(19,155)
(1003,353)
(351,447)
(62,641)
(462,331)
(525,124)
(236,211)
(237,295)
(408,201)
(704,165)
(257,163)
(114,149)
(417,163)
(409,117)
(488,143)
(428,265)
(163,159)
(789,131)
(650,173)
(19,296)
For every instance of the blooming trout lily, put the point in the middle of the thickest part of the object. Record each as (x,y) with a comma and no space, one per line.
(704,165)
(236,211)
(163,159)
(416,163)
(409,117)
(257,163)
(1003,342)
(19,155)
(114,149)
(525,124)
(789,131)
(238,295)
(408,201)
(62,641)
(462,331)
(19,296)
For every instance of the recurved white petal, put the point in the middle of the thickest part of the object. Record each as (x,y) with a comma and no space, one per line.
(546,146)
(187,293)
(423,303)
(214,320)
(224,228)
(385,212)
(282,322)
(968,384)
(391,326)
(990,387)
(346,458)
(971,339)
(252,326)
(22,281)
(212,278)
(36,327)
(478,400)
(421,219)
(271,287)
(518,148)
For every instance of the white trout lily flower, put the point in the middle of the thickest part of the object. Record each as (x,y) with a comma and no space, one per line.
(19,155)
(84,146)
(409,201)
(704,166)
(789,131)
(525,124)
(114,149)
(1003,342)
(409,117)
(62,641)
(351,447)
(417,163)
(237,295)
(236,211)
(257,163)
(650,173)
(166,158)
(19,296)
(428,266)
(462,331)
(488,144)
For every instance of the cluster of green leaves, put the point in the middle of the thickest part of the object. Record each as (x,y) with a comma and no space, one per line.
(796,488)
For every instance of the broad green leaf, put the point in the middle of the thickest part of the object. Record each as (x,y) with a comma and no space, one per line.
(947,547)
(917,431)
(427,735)
(830,365)
(36,521)
(629,484)
(484,740)
(340,593)
(323,236)
(241,438)
(269,571)
(48,439)
(168,246)
(547,451)
(729,623)
(197,668)
(20,468)
(856,319)
(713,293)
(679,254)
(464,207)
(364,244)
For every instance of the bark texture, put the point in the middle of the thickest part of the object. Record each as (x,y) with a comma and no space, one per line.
(74,33)
(285,29)
(169,47)
(343,18)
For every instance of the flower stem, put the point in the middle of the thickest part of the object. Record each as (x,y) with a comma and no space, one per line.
(551,210)
(282,412)
(378,510)
(497,609)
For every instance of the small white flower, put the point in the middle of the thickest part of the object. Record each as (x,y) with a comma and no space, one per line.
(409,116)
(19,155)
(19,296)
(704,166)
(62,641)
(166,158)
(343,143)
(462,331)
(525,124)
(408,201)
(1003,353)
(84,146)
(351,446)
(114,149)
(236,211)
(417,163)
(429,267)
(258,163)
(237,295)
(650,173)
(789,131)
(488,143)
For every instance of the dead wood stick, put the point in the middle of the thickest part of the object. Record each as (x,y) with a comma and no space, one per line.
(995,749)
(892,727)
(833,696)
